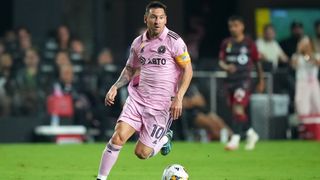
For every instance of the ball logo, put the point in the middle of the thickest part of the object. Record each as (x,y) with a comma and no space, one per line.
(161,50)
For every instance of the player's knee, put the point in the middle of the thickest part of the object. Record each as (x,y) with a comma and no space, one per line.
(142,154)
(118,139)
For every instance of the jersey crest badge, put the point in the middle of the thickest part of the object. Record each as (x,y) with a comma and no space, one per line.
(161,49)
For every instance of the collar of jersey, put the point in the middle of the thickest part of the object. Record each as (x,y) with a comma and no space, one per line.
(161,37)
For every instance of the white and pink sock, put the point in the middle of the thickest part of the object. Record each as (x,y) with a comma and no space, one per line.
(160,144)
(108,159)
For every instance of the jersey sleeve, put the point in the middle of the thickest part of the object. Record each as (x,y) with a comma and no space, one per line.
(180,53)
(133,60)
(254,52)
(222,51)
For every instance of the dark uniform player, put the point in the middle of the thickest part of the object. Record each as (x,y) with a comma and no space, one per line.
(238,54)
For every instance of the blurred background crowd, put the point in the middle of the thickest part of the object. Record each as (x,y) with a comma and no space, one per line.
(81,51)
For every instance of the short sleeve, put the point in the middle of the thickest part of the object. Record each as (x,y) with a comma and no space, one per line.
(254,52)
(180,53)
(222,52)
(133,60)
(259,45)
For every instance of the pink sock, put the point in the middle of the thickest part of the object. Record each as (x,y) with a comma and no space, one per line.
(108,159)
(157,148)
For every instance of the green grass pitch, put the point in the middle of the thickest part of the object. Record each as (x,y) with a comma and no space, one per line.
(283,160)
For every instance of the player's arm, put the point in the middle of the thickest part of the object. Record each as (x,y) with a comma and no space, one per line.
(124,78)
(231,68)
(259,69)
(176,106)
(183,60)
(261,83)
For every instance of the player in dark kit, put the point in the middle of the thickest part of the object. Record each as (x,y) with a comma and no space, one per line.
(238,54)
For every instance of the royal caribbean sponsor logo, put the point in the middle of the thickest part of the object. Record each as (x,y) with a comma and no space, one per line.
(157,61)
(142,60)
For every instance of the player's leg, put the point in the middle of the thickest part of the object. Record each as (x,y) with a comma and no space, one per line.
(123,131)
(128,123)
(237,126)
(155,134)
(143,151)
(235,96)
(241,124)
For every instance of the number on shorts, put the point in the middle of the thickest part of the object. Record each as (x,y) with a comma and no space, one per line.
(157,131)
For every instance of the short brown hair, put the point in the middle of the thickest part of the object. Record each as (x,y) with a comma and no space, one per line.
(156,4)
(236,18)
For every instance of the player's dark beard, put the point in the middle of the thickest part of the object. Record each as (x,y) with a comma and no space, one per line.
(151,33)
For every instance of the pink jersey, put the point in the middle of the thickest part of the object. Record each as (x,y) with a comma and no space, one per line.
(160,61)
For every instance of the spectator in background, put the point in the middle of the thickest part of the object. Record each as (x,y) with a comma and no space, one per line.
(307,98)
(316,39)
(107,74)
(2,48)
(78,55)
(6,84)
(269,49)
(29,85)
(27,76)
(61,59)
(6,64)
(25,39)
(289,45)
(25,43)
(105,60)
(83,114)
(10,41)
(66,80)
(63,37)
(195,36)
(7,72)
(196,113)
(107,71)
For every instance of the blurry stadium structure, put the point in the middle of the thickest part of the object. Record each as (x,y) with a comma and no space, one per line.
(79,45)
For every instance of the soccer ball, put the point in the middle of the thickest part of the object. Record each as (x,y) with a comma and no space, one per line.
(175,172)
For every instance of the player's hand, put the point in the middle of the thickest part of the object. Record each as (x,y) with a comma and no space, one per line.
(110,96)
(176,108)
(231,68)
(261,86)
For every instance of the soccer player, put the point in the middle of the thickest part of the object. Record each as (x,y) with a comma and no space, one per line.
(159,72)
(237,56)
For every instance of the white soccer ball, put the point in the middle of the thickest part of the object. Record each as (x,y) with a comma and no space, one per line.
(175,172)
